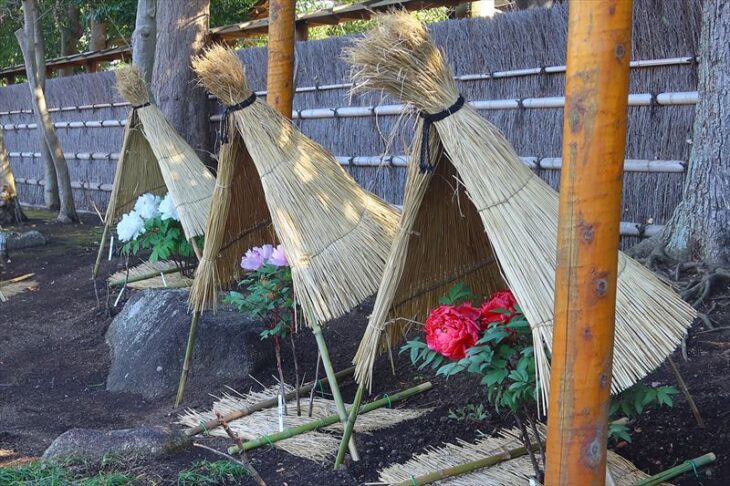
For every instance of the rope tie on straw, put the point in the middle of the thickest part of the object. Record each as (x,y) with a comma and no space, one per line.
(268,440)
(230,109)
(428,120)
(413,480)
(390,404)
(137,107)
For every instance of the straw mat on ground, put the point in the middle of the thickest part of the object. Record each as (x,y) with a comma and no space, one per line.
(335,234)
(156,159)
(317,446)
(171,280)
(518,212)
(9,290)
(507,473)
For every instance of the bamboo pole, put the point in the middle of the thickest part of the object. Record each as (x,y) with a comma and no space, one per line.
(188,358)
(334,387)
(594,137)
(329,420)
(148,275)
(280,71)
(268,403)
(466,467)
(349,426)
(686,466)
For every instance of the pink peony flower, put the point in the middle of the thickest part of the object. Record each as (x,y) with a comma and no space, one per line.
(502,300)
(450,332)
(253,259)
(266,251)
(278,257)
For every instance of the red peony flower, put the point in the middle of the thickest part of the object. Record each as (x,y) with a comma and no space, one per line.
(503,300)
(451,332)
(468,310)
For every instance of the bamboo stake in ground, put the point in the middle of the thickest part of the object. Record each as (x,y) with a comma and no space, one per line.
(334,387)
(271,402)
(188,357)
(349,426)
(594,138)
(330,420)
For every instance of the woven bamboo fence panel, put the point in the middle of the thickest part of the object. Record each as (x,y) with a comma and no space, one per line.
(512,64)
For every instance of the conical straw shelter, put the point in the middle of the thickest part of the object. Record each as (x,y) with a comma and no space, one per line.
(156,159)
(275,183)
(470,172)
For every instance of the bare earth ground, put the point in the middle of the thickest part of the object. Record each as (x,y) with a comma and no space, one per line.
(54,361)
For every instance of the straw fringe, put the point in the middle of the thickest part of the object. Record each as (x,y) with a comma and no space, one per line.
(335,234)
(518,211)
(508,473)
(318,446)
(171,280)
(156,159)
(12,289)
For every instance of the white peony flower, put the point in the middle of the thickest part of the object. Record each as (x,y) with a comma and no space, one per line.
(168,209)
(147,206)
(130,227)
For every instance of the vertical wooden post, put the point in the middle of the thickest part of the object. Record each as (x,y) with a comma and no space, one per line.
(280,73)
(594,137)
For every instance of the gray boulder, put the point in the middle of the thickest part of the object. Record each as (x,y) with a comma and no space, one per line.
(148,340)
(93,446)
(28,239)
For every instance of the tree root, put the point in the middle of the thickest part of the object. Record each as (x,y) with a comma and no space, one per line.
(698,290)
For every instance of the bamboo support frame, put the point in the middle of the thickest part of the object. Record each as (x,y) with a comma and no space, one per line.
(330,420)
(594,138)
(272,402)
(686,466)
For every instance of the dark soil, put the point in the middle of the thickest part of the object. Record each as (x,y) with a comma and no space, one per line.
(54,361)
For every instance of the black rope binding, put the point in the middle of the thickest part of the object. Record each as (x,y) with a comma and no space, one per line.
(230,109)
(137,107)
(428,119)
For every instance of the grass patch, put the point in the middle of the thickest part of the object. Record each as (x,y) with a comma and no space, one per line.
(211,472)
(49,474)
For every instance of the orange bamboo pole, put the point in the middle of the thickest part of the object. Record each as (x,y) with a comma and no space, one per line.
(594,137)
(280,72)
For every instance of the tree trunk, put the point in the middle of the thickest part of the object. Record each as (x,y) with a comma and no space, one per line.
(31,46)
(182,28)
(144,37)
(98,34)
(700,226)
(50,188)
(10,210)
(68,21)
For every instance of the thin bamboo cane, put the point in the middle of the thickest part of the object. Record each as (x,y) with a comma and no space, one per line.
(467,467)
(586,275)
(334,387)
(332,419)
(349,426)
(686,466)
(188,357)
(272,402)
(22,278)
(148,275)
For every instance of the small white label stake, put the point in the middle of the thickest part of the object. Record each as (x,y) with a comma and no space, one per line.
(111,247)
(281,414)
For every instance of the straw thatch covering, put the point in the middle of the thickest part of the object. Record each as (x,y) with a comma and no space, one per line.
(317,446)
(7,181)
(157,160)
(507,473)
(517,210)
(14,286)
(335,234)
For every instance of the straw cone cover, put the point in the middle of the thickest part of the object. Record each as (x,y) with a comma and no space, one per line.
(156,159)
(335,234)
(517,211)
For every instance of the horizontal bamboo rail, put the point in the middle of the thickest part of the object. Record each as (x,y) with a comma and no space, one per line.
(556,69)
(542,163)
(637,99)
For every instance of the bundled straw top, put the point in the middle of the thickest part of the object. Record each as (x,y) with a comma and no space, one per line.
(156,159)
(496,193)
(335,234)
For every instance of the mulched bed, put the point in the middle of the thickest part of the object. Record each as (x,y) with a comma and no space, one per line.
(53,364)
